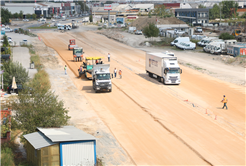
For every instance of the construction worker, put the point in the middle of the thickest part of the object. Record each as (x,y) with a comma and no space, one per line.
(115,72)
(120,73)
(108,57)
(224,100)
(65,68)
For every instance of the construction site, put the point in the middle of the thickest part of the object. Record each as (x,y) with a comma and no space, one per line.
(160,124)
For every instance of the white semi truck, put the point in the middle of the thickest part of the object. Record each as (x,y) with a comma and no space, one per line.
(164,66)
(101,77)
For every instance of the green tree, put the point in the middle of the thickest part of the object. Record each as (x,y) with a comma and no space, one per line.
(21,14)
(5,41)
(214,12)
(162,12)
(40,109)
(109,2)
(5,15)
(201,6)
(34,16)
(14,69)
(83,6)
(28,16)
(226,36)
(90,18)
(244,15)
(226,7)
(16,15)
(151,31)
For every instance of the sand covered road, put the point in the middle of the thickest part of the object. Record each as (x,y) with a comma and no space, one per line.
(153,125)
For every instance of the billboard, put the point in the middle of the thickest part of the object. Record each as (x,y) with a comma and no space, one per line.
(107,7)
(120,20)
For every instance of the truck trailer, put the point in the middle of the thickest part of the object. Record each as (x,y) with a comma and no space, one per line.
(101,77)
(164,66)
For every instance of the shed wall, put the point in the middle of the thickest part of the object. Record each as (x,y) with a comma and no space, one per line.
(78,153)
(50,155)
(33,155)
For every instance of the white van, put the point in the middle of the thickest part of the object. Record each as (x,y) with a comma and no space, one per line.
(186,45)
(205,41)
(60,27)
(180,39)
(230,42)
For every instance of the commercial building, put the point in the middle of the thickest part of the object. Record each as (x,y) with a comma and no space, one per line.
(237,49)
(60,146)
(193,16)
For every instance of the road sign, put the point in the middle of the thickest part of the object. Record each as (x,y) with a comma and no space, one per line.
(107,7)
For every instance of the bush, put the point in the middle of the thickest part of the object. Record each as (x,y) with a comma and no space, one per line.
(99,28)
(226,36)
(194,41)
(7,157)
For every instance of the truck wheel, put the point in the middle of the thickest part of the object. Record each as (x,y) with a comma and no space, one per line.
(163,81)
(159,79)
(110,90)
(150,75)
(96,91)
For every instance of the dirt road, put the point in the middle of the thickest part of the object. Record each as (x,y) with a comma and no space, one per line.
(151,121)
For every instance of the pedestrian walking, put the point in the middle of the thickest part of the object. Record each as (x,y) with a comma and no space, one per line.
(65,68)
(120,73)
(115,72)
(108,57)
(224,100)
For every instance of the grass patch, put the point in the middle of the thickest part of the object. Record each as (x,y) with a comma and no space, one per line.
(188,64)
(231,60)
(44,26)
(99,28)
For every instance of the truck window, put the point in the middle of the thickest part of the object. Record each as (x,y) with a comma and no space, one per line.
(103,76)
(175,41)
(173,71)
(77,51)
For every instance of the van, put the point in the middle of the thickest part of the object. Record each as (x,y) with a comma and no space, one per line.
(180,39)
(205,41)
(186,45)
(60,27)
(230,42)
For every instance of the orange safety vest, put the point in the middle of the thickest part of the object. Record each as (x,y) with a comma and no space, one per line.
(120,72)
(224,100)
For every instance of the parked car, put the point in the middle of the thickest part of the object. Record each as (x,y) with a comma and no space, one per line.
(180,39)
(10,90)
(138,32)
(8,30)
(25,19)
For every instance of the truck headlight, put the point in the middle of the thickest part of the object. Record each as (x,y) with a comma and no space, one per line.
(97,83)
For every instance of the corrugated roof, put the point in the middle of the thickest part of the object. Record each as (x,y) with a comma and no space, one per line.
(66,133)
(38,140)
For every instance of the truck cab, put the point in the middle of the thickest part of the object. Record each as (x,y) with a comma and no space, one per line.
(101,79)
(172,72)
(78,53)
(89,64)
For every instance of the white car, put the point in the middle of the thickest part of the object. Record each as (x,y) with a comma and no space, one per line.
(53,20)
(138,32)
(8,30)
(25,20)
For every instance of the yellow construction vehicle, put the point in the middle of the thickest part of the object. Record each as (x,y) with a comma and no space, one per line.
(236,32)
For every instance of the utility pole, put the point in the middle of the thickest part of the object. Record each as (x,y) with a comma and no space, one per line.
(220,13)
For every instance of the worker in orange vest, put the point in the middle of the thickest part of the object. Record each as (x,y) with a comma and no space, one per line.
(224,100)
(120,73)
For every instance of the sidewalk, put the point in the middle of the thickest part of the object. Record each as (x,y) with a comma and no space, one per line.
(22,55)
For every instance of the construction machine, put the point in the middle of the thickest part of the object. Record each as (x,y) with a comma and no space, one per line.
(71,44)
(241,37)
(74,24)
(78,53)
(88,65)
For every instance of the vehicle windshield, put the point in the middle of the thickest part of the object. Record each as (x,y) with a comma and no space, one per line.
(175,41)
(173,70)
(105,76)
(77,51)
(218,48)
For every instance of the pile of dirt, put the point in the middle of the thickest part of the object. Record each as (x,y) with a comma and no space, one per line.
(143,21)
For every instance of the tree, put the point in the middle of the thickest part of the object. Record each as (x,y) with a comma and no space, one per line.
(162,12)
(21,14)
(5,15)
(244,15)
(90,17)
(149,14)
(5,41)
(201,6)
(16,15)
(226,36)
(34,16)
(83,6)
(214,12)
(40,109)
(14,69)
(109,2)
(226,7)
(151,30)
(28,16)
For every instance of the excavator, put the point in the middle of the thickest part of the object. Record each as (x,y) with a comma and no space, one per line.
(241,37)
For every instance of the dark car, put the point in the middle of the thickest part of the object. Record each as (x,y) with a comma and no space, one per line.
(10,90)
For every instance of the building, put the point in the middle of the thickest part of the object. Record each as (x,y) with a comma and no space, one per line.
(60,146)
(193,16)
